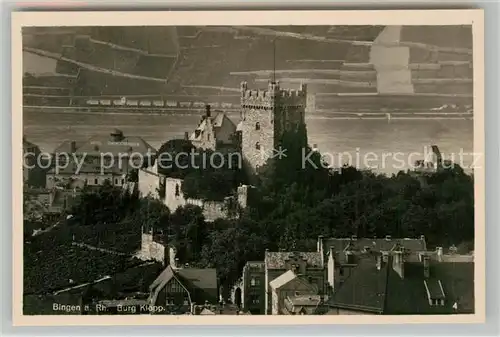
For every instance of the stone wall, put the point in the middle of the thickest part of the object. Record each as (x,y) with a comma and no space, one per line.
(212,210)
(150,249)
(149,182)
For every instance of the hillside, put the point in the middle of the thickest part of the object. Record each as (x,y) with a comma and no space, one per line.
(349,67)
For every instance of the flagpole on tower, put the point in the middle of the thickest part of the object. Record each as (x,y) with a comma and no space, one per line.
(274,60)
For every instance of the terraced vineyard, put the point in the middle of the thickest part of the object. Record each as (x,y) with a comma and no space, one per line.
(349,68)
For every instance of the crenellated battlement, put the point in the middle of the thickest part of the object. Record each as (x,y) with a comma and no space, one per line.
(272,93)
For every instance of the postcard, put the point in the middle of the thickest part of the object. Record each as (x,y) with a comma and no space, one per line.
(184,167)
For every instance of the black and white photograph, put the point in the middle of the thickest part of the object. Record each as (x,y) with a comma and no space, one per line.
(249,170)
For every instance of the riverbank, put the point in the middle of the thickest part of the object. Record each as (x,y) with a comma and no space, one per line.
(321,114)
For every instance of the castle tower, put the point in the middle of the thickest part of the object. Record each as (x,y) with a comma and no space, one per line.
(266,115)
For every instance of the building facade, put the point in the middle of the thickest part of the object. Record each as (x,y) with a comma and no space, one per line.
(214,131)
(251,292)
(101,159)
(33,173)
(307,265)
(265,116)
(180,289)
(436,283)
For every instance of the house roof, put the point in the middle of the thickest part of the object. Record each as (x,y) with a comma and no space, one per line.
(28,145)
(114,143)
(277,260)
(305,303)
(217,122)
(65,147)
(199,278)
(385,292)
(374,244)
(367,246)
(282,279)
(304,300)
(190,278)
(206,311)
(71,168)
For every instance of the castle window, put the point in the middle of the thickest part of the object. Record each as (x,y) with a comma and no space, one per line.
(257,146)
(177,190)
(257,126)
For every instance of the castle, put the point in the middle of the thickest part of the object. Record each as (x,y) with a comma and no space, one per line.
(265,116)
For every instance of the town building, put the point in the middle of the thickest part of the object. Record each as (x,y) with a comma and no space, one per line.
(249,294)
(289,287)
(101,159)
(303,305)
(436,283)
(341,255)
(52,202)
(265,116)
(297,273)
(214,131)
(33,162)
(178,289)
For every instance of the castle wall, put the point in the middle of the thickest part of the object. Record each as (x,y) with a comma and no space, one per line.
(212,210)
(149,182)
(174,197)
(150,249)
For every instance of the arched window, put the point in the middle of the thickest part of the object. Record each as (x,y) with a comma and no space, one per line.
(177,193)
(257,146)
(257,126)
(252,282)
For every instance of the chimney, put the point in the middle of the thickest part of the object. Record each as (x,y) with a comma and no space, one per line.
(186,135)
(319,248)
(331,268)
(426,260)
(207,111)
(73,146)
(439,253)
(398,263)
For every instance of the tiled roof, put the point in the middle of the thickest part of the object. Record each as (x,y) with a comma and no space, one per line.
(65,147)
(385,292)
(305,300)
(217,122)
(114,143)
(277,260)
(366,246)
(365,289)
(72,167)
(199,278)
(193,279)
(28,145)
(282,279)
(375,244)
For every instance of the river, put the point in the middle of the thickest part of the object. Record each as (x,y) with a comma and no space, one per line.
(380,144)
